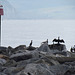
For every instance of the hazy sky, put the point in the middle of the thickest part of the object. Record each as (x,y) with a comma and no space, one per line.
(39,9)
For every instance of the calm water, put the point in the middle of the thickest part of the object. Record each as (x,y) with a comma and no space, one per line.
(20,32)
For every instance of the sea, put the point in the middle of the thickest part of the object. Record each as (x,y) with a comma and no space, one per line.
(21,32)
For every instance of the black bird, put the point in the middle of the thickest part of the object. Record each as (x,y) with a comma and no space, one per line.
(58,40)
(47,41)
(30,43)
(62,41)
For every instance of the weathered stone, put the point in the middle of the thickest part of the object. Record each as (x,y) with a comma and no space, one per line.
(13,70)
(59,47)
(58,69)
(4,57)
(9,70)
(10,63)
(2,73)
(20,56)
(71,54)
(51,60)
(61,53)
(30,48)
(20,47)
(35,53)
(9,51)
(17,69)
(2,61)
(3,50)
(22,63)
(65,59)
(44,47)
(37,61)
(37,69)
(70,63)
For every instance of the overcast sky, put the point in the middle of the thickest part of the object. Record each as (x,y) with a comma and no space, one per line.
(39,9)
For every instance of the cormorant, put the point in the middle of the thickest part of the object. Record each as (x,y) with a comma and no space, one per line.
(30,43)
(58,40)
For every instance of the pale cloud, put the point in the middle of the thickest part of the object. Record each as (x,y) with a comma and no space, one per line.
(52,12)
(55,9)
(48,9)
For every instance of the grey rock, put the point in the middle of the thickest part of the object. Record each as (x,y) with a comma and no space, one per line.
(59,47)
(20,47)
(20,56)
(30,48)
(13,70)
(2,61)
(3,50)
(37,61)
(9,70)
(17,49)
(44,47)
(10,63)
(37,69)
(58,69)
(2,73)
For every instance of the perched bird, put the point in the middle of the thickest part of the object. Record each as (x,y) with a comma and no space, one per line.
(62,41)
(30,43)
(45,41)
(54,40)
(58,40)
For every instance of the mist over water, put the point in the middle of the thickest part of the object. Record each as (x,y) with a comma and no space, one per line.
(21,32)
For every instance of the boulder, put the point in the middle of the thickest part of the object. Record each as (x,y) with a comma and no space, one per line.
(60,53)
(35,53)
(50,60)
(30,48)
(58,69)
(13,70)
(36,69)
(2,61)
(22,63)
(59,47)
(9,70)
(64,59)
(44,47)
(70,63)
(3,50)
(20,56)
(10,63)
(4,57)
(9,51)
(70,54)
(37,61)
(2,73)
(20,47)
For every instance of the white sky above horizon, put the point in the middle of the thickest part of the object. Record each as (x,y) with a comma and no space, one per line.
(39,9)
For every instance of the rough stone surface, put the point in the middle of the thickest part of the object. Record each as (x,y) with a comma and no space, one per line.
(42,60)
(59,47)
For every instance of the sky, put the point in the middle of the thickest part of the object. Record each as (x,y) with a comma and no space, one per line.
(39,9)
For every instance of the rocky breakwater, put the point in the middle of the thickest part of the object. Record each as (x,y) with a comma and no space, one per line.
(43,60)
